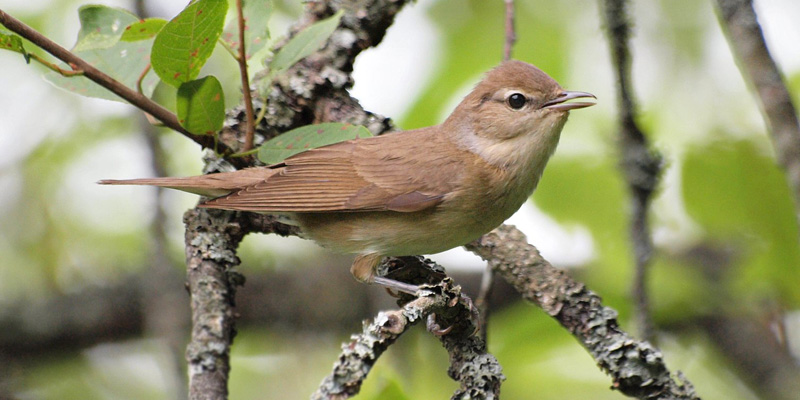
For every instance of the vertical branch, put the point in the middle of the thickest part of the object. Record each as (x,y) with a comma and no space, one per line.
(511,35)
(487,280)
(164,303)
(759,69)
(211,241)
(164,307)
(640,166)
(248,99)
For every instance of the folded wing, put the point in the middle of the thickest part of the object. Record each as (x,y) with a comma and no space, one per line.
(392,172)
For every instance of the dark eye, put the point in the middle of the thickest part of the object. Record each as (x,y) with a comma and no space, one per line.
(517,101)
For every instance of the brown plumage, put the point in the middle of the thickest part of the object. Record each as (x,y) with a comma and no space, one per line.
(414,192)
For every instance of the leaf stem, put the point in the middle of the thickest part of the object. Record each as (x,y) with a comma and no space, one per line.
(141,79)
(55,68)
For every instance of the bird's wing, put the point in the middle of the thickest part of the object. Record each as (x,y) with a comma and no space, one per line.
(356,175)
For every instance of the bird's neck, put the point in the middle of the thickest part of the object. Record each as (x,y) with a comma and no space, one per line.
(523,156)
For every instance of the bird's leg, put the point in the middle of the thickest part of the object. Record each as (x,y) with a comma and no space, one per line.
(363,269)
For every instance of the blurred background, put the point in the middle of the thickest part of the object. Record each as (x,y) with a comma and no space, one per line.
(92,302)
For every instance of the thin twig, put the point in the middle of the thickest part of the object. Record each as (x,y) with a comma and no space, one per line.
(759,69)
(482,302)
(635,366)
(78,64)
(487,280)
(511,35)
(640,165)
(248,100)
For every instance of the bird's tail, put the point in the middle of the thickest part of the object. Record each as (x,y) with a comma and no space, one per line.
(212,185)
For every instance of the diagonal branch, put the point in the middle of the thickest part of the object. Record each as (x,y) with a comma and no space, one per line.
(759,69)
(636,367)
(78,64)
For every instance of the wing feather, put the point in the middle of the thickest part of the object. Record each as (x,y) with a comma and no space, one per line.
(356,175)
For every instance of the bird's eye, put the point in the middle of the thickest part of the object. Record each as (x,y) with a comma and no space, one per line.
(517,101)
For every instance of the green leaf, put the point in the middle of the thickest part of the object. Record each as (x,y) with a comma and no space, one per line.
(101,26)
(185,43)
(124,61)
(308,137)
(304,43)
(256,15)
(201,105)
(12,42)
(144,29)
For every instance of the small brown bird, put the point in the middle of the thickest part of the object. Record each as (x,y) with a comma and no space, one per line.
(414,192)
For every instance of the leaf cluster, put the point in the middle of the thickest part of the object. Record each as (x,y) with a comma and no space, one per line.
(143,53)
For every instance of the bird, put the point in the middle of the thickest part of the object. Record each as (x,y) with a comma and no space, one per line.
(412,192)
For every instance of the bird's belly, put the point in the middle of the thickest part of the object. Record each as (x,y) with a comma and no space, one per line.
(390,233)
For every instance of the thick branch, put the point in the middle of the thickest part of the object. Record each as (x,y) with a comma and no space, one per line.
(478,372)
(640,165)
(137,99)
(757,66)
(211,241)
(636,367)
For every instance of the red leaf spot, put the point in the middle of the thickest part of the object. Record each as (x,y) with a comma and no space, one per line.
(182,120)
(177,74)
(290,146)
(306,145)
(320,131)
(128,27)
(216,97)
(199,12)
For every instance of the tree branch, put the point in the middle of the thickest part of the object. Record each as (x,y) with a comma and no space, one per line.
(640,165)
(636,367)
(247,99)
(759,69)
(511,35)
(132,96)
(477,371)
(211,240)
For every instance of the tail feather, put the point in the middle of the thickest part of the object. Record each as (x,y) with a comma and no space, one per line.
(213,185)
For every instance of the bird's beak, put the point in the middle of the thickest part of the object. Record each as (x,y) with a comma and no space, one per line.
(559,103)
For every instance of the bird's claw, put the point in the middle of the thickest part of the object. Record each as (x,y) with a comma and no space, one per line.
(434,328)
